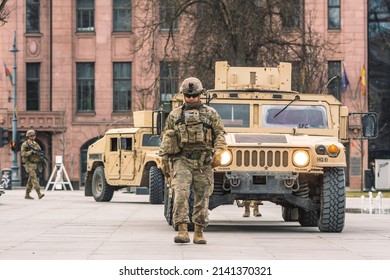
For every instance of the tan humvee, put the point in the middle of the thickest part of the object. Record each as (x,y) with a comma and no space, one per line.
(286,147)
(126,157)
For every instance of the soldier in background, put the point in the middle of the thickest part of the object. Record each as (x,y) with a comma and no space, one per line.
(193,141)
(255,205)
(30,159)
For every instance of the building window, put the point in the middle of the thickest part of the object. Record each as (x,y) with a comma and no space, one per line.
(85,15)
(168,20)
(298,81)
(85,87)
(122,86)
(32,16)
(378,72)
(291,14)
(169,80)
(122,15)
(334,74)
(32,86)
(334,17)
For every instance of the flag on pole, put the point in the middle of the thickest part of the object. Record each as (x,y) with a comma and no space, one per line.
(344,81)
(363,82)
(8,74)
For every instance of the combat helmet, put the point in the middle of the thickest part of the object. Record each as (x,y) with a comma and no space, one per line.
(191,86)
(30,133)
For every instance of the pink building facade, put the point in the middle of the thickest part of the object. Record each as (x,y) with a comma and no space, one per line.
(66,126)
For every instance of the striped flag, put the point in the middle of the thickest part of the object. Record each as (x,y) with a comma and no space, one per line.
(8,74)
(363,80)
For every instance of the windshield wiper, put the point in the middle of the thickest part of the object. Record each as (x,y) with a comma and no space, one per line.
(296,98)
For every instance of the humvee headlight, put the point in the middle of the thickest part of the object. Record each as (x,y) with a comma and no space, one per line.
(226,158)
(301,158)
(333,150)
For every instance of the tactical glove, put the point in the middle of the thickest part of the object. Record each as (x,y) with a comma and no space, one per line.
(216,160)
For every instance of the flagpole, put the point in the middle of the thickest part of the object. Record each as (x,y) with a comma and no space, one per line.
(15,166)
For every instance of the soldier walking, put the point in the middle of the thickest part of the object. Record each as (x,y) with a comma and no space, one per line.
(30,159)
(192,142)
(255,205)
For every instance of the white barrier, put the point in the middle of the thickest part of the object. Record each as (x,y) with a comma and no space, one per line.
(372,209)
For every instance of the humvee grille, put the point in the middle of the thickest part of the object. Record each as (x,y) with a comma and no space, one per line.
(262,158)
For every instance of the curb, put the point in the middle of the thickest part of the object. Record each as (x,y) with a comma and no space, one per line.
(367,211)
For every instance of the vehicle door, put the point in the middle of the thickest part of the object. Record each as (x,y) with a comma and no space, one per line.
(127,157)
(112,164)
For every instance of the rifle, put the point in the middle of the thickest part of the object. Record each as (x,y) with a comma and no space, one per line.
(37,151)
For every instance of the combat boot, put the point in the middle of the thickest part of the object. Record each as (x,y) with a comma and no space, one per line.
(27,196)
(247,209)
(256,212)
(198,235)
(40,195)
(182,236)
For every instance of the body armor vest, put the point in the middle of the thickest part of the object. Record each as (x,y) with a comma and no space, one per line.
(194,128)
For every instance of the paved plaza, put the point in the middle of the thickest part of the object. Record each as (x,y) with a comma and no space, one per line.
(66,225)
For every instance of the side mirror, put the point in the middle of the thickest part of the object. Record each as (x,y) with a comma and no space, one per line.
(161,116)
(370,125)
(158,125)
(366,123)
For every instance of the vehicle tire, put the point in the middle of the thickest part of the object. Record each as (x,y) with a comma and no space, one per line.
(289,214)
(308,218)
(88,191)
(101,191)
(332,210)
(88,185)
(168,205)
(156,186)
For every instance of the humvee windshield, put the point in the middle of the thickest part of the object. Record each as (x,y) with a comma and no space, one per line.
(301,116)
(151,140)
(294,116)
(233,115)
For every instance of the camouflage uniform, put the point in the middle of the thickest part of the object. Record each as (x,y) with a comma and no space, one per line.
(255,205)
(30,160)
(199,132)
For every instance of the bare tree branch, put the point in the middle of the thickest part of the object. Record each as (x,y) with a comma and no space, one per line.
(243,32)
(4,12)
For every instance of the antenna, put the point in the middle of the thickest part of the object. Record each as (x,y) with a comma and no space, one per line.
(327,84)
(111,124)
